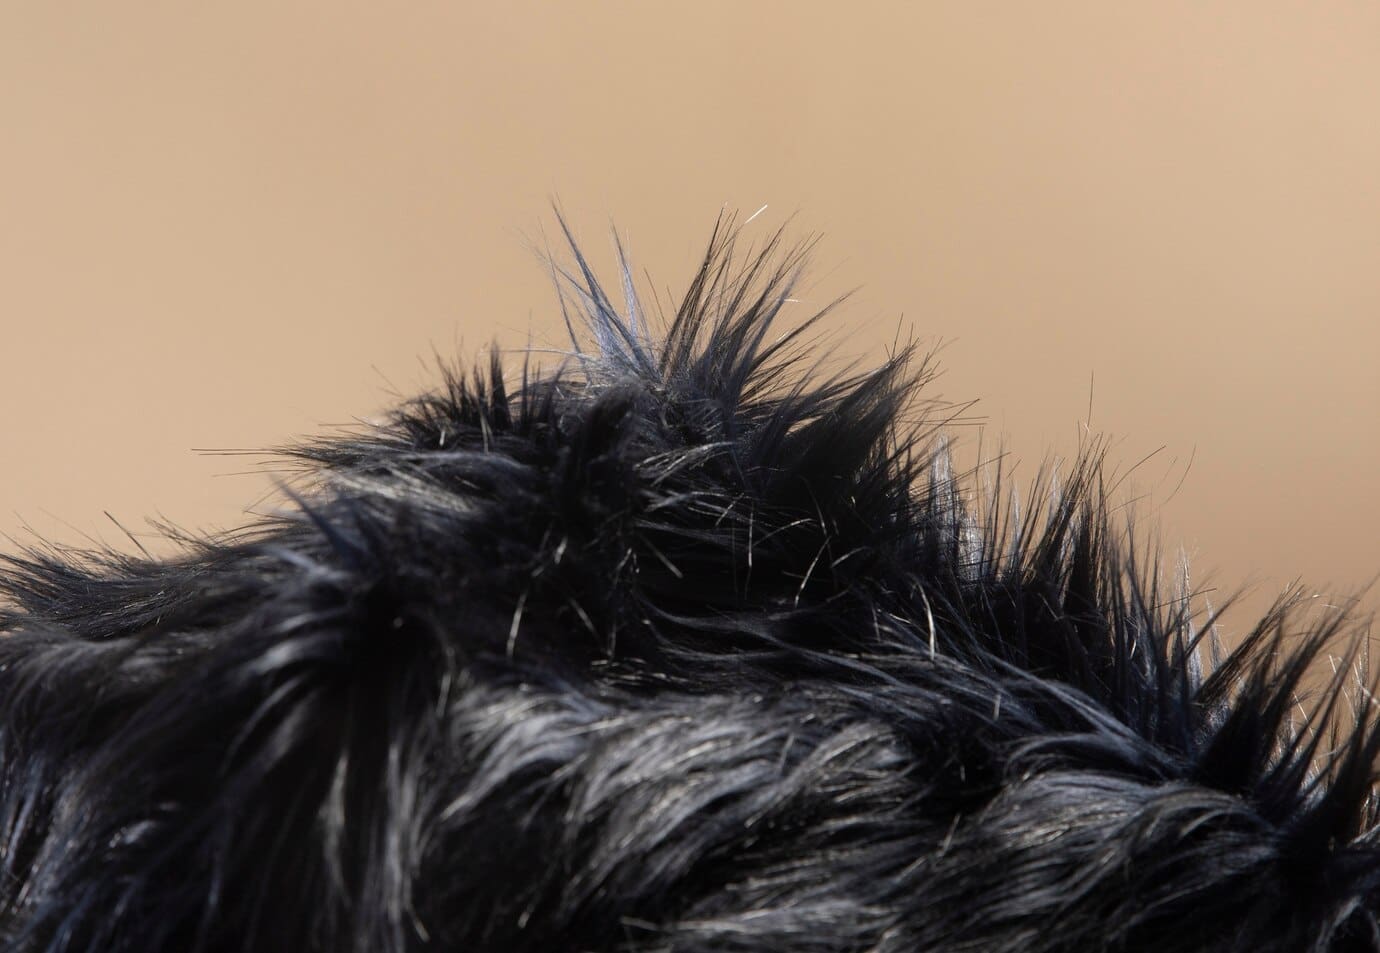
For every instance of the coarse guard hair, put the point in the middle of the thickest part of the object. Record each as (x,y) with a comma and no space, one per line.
(688,646)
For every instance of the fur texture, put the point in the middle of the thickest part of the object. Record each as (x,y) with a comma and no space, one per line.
(685,647)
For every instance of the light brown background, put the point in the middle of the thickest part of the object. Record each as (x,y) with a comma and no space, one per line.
(222,228)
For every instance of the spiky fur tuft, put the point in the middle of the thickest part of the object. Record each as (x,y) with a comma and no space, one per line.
(685,647)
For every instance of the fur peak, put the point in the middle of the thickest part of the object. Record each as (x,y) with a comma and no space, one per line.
(687,646)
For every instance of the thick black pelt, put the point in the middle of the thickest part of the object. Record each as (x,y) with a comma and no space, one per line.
(686,647)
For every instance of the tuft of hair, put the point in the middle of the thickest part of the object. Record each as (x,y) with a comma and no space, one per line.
(688,646)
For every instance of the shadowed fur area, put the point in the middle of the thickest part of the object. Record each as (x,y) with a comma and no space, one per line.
(690,645)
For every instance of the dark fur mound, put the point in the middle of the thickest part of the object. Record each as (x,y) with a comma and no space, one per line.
(685,648)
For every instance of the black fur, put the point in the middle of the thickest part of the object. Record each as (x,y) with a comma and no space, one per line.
(683,648)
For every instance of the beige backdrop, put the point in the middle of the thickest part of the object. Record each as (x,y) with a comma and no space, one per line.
(220,229)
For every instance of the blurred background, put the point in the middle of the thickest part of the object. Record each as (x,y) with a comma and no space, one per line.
(1155,221)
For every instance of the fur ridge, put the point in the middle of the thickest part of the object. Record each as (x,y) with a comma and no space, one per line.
(688,646)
